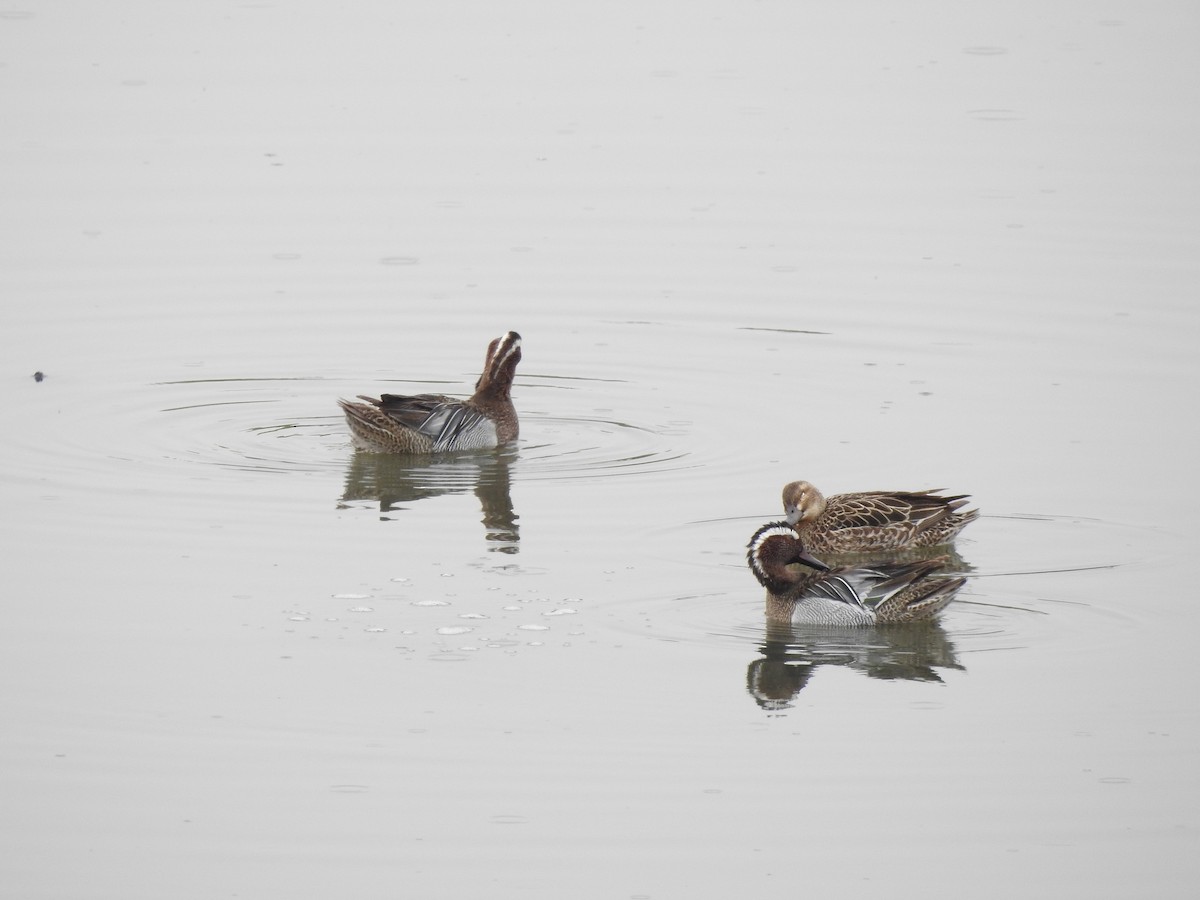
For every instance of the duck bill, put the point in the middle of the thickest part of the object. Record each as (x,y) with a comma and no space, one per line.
(807,559)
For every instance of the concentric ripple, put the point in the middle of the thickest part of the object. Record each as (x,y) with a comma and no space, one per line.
(564,448)
(114,436)
(258,425)
(270,425)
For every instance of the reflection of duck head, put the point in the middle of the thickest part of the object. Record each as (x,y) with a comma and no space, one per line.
(774,682)
(792,654)
(394,481)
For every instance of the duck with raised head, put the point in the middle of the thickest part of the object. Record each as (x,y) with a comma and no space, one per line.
(435,423)
(802,589)
(874,520)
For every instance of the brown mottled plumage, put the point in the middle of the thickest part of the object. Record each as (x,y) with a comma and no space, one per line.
(432,423)
(873,520)
(847,595)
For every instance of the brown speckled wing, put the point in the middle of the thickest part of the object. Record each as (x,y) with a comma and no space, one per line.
(878,509)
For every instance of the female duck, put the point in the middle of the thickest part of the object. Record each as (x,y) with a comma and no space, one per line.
(873,520)
(433,423)
(847,595)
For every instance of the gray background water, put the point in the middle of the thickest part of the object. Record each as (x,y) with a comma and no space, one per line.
(874,245)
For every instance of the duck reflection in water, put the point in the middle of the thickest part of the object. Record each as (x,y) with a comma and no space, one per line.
(395,481)
(792,654)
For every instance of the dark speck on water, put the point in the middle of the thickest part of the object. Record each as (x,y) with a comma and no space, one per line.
(38,376)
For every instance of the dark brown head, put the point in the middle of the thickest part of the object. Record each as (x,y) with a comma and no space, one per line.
(500,366)
(772,550)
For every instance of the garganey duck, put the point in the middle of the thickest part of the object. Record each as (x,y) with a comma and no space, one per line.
(434,423)
(846,595)
(873,520)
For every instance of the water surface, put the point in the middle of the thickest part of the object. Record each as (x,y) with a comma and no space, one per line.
(873,247)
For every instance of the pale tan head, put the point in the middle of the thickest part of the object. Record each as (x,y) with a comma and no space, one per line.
(803,504)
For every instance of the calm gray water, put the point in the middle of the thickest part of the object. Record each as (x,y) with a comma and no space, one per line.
(874,246)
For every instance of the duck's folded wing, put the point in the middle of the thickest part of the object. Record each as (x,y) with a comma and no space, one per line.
(411,410)
(449,423)
(874,510)
(877,583)
(865,587)
(838,589)
(454,425)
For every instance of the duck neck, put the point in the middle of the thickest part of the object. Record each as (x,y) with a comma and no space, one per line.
(499,368)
